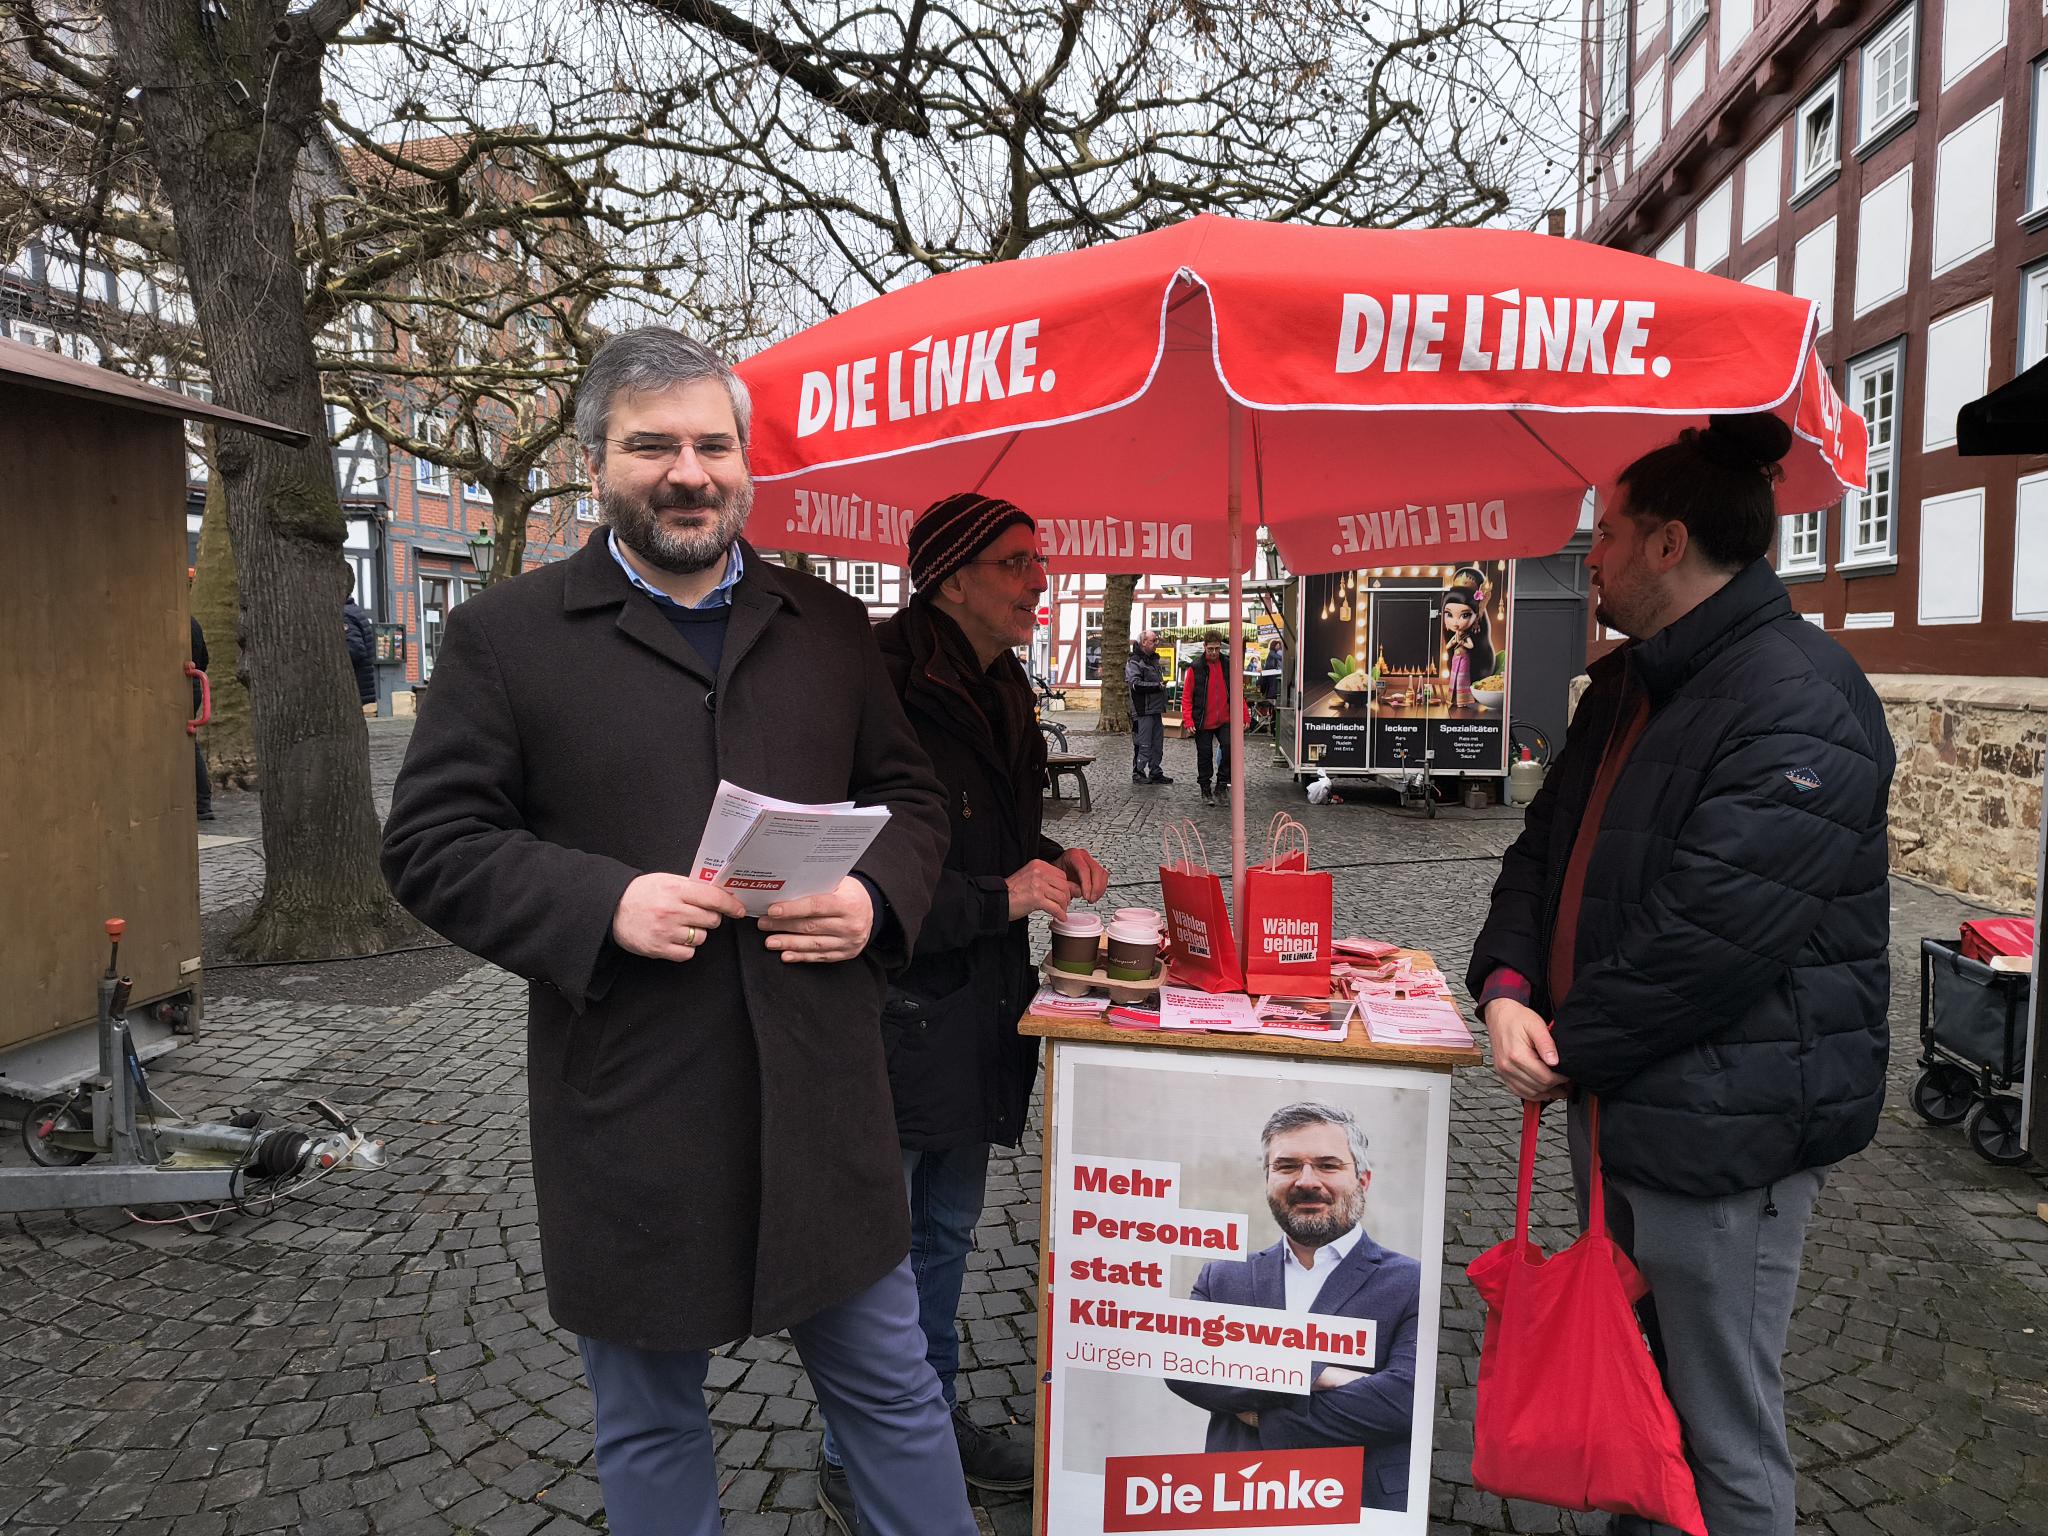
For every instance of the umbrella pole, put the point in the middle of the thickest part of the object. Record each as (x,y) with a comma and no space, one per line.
(1236,513)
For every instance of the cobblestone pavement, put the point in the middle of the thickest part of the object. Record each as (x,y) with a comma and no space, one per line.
(379,1359)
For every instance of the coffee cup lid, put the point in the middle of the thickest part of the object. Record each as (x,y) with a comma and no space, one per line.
(1077,923)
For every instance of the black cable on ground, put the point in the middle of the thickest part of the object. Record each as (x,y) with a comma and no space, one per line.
(264,965)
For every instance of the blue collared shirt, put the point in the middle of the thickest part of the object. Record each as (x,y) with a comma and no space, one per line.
(719,596)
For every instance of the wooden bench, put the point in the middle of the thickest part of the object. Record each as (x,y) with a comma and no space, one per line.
(1073,765)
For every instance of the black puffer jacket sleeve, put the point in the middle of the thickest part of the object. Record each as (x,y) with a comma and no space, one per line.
(1777,828)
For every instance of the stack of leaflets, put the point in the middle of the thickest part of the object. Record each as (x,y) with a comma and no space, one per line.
(1061,1006)
(766,850)
(1188,1008)
(1415,1021)
(1133,1016)
(1305,1018)
(1370,950)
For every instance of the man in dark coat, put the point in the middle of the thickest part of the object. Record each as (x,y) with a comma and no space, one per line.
(713,1146)
(361,637)
(202,780)
(1317,1174)
(1145,676)
(1693,926)
(959,1071)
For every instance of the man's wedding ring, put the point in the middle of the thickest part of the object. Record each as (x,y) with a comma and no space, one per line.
(693,937)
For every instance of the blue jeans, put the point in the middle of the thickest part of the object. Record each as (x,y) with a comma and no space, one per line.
(946,1191)
(654,1443)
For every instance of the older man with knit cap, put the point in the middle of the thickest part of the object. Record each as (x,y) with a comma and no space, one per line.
(960,1072)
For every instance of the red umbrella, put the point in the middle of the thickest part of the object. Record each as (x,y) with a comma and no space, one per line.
(1376,397)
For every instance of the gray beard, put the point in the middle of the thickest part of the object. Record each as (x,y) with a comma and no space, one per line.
(638,525)
(1318,1231)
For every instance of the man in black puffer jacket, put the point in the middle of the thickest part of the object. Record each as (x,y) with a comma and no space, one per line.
(1692,929)
(960,1072)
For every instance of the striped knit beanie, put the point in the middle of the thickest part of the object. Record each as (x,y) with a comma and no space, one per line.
(952,531)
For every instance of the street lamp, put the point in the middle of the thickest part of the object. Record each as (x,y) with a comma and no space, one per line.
(480,545)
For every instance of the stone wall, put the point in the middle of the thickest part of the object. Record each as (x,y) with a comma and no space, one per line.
(1966,806)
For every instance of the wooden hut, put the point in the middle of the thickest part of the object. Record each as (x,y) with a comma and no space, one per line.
(97,818)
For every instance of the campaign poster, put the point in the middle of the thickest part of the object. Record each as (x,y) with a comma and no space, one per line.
(1242,1270)
(1406,666)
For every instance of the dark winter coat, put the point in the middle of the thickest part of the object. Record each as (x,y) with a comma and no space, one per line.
(1145,676)
(959,1070)
(713,1148)
(361,636)
(201,660)
(1730,974)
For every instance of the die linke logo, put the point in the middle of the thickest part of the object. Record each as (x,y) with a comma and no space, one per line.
(1267,1490)
(1507,332)
(929,375)
(1289,940)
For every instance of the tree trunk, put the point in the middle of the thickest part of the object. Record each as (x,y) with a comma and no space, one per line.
(1116,649)
(229,92)
(509,513)
(230,744)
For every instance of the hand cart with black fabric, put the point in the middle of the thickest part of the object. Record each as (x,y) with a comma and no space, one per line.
(1973,1047)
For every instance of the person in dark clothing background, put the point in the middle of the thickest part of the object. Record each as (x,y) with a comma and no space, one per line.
(959,1071)
(202,782)
(361,636)
(1144,674)
(1693,930)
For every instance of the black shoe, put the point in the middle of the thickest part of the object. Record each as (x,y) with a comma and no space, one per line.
(835,1498)
(1138,778)
(1159,778)
(992,1459)
(206,815)
(1208,795)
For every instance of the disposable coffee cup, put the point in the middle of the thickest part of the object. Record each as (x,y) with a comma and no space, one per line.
(1144,915)
(1075,940)
(1133,949)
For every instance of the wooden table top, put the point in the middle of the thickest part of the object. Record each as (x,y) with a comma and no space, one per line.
(1356,1046)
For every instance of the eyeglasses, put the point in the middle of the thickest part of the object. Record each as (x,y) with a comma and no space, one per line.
(1015,565)
(661,452)
(1290,1167)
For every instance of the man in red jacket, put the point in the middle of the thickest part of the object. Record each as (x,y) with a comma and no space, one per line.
(1205,710)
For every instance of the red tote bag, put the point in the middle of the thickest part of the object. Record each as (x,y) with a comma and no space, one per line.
(1201,950)
(1287,917)
(1571,1410)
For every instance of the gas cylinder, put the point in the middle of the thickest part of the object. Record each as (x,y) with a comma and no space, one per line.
(1525,777)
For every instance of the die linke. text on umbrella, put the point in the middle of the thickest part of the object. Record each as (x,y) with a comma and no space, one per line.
(929,375)
(1508,332)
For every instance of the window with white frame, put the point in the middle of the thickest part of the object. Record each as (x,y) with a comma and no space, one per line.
(1091,645)
(1799,545)
(1817,148)
(32,335)
(1157,619)
(586,509)
(1889,59)
(864,581)
(431,428)
(2033,315)
(1869,516)
(1686,15)
(1614,57)
(2037,151)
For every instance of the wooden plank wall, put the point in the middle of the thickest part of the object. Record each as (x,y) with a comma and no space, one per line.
(96,792)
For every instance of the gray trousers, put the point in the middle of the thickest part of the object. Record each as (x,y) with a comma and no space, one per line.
(1148,745)
(1723,1276)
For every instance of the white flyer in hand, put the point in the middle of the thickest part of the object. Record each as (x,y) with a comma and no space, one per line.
(732,815)
(1187,1008)
(788,854)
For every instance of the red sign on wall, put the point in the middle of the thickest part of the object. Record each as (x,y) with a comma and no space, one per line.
(1268,1490)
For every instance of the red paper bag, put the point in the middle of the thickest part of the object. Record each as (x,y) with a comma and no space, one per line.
(1287,917)
(1571,1410)
(1201,950)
